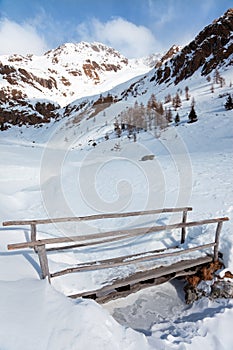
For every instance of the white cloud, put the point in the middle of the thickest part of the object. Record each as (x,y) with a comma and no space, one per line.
(162,13)
(20,39)
(131,40)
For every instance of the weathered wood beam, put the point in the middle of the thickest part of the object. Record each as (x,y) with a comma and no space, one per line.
(217,238)
(127,260)
(183,230)
(86,244)
(133,289)
(145,275)
(43,261)
(95,216)
(115,294)
(129,233)
(33,232)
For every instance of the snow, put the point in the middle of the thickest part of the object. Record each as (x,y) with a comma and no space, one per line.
(38,318)
(61,63)
(161,313)
(54,171)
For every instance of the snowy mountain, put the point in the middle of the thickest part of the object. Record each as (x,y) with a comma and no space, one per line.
(79,164)
(210,53)
(68,72)
(212,48)
(35,90)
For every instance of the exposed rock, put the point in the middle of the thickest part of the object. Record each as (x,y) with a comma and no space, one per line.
(17,110)
(192,294)
(147,157)
(222,289)
(228,274)
(207,283)
(59,75)
(168,55)
(194,289)
(211,48)
(90,69)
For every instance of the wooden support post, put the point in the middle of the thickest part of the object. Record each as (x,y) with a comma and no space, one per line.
(217,238)
(33,232)
(43,261)
(183,229)
(33,235)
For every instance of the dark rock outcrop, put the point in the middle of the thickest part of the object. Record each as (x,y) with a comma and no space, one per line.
(211,48)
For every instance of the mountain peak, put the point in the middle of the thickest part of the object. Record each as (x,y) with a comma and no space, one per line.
(212,48)
(84,48)
(169,54)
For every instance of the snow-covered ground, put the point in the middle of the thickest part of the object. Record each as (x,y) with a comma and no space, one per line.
(54,171)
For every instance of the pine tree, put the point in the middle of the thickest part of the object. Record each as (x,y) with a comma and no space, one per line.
(192,116)
(167,98)
(229,103)
(160,109)
(168,115)
(187,93)
(176,102)
(222,82)
(118,131)
(116,124)
(177,119)
(193,102)
(216,76)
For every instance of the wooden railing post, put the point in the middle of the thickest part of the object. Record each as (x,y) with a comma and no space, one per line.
(43,261)
(33,235)
(183,230)
(217,238)
(33,232)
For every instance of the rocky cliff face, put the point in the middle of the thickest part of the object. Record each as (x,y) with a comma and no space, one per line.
(212,48)
(87,60)
(56,78)
(66,73)
(16,109)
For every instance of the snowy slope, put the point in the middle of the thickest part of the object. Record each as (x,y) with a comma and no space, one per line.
(55,171)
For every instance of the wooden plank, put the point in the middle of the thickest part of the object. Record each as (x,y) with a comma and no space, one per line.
(183,230)
(217,238)
(107,263)
(133,289)
(127,260)
(146,275)
(116,293)
(129,233)
(86,244)
(95,216)
(43,261)
(58,240)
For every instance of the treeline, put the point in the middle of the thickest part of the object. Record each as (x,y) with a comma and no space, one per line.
(153,116)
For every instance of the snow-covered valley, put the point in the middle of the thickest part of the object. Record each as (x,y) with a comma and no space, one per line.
(55,171)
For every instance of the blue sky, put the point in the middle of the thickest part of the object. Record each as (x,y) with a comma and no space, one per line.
(134,27)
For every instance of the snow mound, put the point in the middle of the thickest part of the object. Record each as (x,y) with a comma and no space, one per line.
(38,317)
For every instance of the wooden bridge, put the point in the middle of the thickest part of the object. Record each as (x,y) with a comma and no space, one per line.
(119,287)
